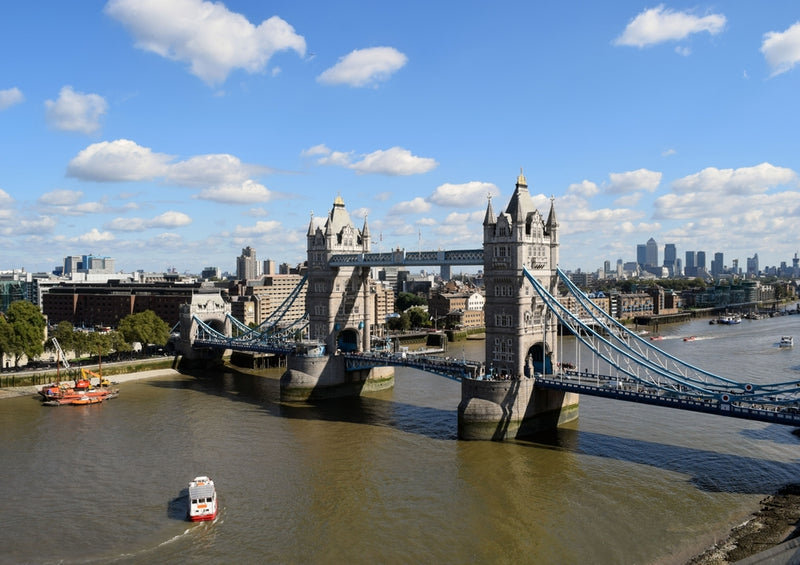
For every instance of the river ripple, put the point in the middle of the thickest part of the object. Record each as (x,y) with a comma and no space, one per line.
(382,478)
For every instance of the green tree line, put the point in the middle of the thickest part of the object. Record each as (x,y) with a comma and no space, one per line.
(22,334)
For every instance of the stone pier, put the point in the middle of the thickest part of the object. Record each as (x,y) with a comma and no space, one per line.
(317,378)
(509,409)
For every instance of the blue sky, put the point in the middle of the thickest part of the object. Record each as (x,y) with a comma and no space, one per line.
(173,134)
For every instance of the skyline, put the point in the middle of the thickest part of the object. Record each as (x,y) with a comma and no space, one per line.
(174,135)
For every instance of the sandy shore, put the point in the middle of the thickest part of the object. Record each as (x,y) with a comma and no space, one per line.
(120,378)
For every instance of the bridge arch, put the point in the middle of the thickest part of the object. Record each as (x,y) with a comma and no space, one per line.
(538,359)
(348,339)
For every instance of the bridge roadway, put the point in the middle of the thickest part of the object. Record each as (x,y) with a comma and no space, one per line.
(400,258)
(755,407)
(774,409)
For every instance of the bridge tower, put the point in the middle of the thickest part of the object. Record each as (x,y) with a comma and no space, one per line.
(341,313)
(338,300)
(520,332)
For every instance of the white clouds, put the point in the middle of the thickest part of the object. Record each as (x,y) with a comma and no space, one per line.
(5,198)
(394,162)
(223,178)
(661,24)
(9,97)
(745,180)
(94,236)
(204,170)
(120,160)
(364,67)
(60,197)
(782,49)
(213,40)
(170,219)
(465,195)
(248,192)
(75,111)
(260,229)
(416,206)
(632,181)
(585,188)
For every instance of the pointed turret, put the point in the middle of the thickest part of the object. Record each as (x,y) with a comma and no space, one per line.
(311,226)
(552,222)
(489,218)
(365,238)
(521,203)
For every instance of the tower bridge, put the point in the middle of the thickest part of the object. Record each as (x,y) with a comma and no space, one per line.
(522,386)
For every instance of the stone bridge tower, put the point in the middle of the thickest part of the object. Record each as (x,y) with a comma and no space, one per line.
(341,312)
(337,298)
(520,331)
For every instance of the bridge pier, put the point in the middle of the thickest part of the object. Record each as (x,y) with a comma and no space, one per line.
(508,409)
(317,378)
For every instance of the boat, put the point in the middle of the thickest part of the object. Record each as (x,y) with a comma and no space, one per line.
(786,341)
(86,400)
(690,338)
(657,338)
(729,319)
(202,499)
(83,392)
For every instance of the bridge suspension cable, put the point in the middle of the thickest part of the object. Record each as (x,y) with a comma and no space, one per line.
(645,367)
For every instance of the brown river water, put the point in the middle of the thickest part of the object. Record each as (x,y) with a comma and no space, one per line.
(383,479)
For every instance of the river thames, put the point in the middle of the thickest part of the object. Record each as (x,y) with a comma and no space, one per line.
(383,479)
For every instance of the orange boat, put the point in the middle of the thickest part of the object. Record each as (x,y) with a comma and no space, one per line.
(690,338)
(82,393)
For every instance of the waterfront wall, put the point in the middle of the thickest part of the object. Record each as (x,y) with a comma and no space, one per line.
(508,409)
(317,378)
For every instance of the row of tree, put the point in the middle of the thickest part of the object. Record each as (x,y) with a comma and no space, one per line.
(22,334)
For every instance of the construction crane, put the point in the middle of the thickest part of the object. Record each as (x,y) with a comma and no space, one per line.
(61,356)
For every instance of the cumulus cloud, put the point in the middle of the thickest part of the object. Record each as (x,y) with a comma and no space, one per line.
(632,181)
(661,24)
(120,160)
(247,192)
(94,236)
(781,49)
(465,195)
(364,67)
(394,162)
(218,169)
(75,111)
(416,206)
(211,39)
(223,178)
(585,188)
(261,228)
(170,219)
(5,198)
(745,180)
(9,97)
(32,226)
(60,197)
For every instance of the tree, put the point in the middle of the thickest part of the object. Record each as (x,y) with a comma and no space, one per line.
(399,323)
(406,300)
(144,327)
(5,337)
(26,332)
(419,318)
(65,334)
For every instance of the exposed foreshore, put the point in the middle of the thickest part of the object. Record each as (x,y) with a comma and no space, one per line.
(768,536)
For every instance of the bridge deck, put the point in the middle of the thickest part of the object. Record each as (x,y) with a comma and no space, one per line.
(758,409)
